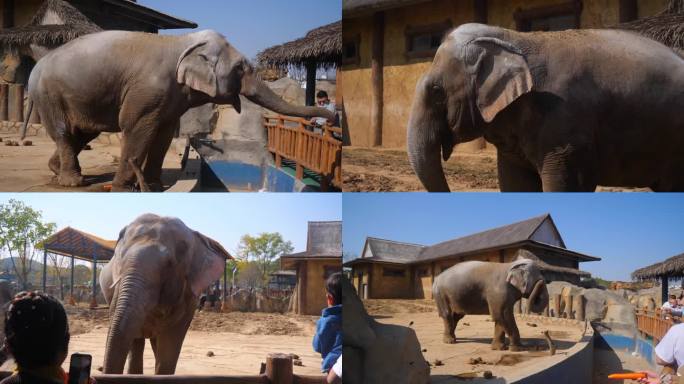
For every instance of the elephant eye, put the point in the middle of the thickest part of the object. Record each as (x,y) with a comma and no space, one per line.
(438,94)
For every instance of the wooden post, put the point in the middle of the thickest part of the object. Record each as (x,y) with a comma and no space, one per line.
(303,308)
(45,270)
(556,305)
(628,10)
(225,280)
(663,289)
(310,82)
(4,98)
(279,368)
(579,307)
(377,67)
(93,301)
(72,301)
(16,102)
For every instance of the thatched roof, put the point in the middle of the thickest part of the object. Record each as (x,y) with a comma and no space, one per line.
(322,45)
(670,268)
(74,24)
(352,8)
(666,27)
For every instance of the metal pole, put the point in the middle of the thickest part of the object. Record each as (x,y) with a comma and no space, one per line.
(225,280)
(93,303)
(664,288)
(72,281)
(45,270)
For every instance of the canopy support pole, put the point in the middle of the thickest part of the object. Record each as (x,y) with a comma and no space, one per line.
(225,281)
(93,301)
(663,288)
(310,83)
(72,301)
(45,252)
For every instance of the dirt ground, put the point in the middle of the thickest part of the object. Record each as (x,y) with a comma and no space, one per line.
(388,170)
(238,341)
(25,168)
(472,355)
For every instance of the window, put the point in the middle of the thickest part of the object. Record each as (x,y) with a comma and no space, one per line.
(350,50)
(557,17)
(393,272)
(329,270)
(423,41)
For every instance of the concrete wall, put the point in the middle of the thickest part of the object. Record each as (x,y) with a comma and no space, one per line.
(390,287)
(402,73)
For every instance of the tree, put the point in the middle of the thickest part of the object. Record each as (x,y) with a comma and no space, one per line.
(22,232)
(264,250)
(60,265)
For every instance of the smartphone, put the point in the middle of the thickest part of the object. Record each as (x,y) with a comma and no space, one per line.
(79,368)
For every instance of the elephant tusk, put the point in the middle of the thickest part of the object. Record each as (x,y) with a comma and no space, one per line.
(115,282)
(535,291)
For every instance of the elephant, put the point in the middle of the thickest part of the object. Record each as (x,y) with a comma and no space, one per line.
(139,84)
(480,288)
(566,111)
(375,352)
(152,285)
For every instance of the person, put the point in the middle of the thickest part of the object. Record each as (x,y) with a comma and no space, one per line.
(328,338)
(37,337)
(335,374)
(672,306)
(323,101)
(669,354)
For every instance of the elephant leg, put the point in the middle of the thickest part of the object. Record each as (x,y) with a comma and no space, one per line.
(136,141)
(569,169)
(511,330)
(168,345)
(499,340)
(81,139)
(55,163)
(449,329)
(515,175)
(69,170)
(135,357)
(155,157)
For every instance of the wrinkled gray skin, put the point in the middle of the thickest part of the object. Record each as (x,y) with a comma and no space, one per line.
(152,286)
(480,288)
(139,84)
(375,352)
(567,111)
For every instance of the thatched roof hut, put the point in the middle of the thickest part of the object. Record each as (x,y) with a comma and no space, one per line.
(666,27)
(322,45)
(670,268)
(320,48)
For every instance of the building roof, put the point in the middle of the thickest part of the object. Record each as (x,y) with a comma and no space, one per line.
(45,30)
(352,8)
(323,241)
(81,245)
(526,232)
(672,267)
(322,45)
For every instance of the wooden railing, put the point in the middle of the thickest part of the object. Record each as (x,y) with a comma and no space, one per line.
(296,139)
(655,324)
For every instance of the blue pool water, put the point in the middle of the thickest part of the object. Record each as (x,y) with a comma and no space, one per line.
(237,176)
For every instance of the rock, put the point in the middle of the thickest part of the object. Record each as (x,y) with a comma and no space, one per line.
(100,368)
(28,143)
(297,363)
(437,362)
(87,147)
(210,354)
(531,325)
(294,356)
(424,350)
(8,143)
(466,324)
(487,375)
(475,360)
(0,139)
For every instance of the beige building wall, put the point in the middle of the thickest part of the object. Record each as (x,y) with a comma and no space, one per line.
(390,287)
(313,300)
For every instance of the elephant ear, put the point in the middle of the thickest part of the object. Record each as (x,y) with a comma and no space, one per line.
(502,75)
(208,263)
(517,275)
(196,68)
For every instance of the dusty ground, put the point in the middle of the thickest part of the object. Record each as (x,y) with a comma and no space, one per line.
(25,169)
(474,333)
(239,341)
(388,170)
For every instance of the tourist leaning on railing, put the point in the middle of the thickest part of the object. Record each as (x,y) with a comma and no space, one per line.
(672,307)
(669,354)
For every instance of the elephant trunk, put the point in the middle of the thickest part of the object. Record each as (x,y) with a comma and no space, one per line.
(126,322)
(424,149)
(539,297)
(258,92)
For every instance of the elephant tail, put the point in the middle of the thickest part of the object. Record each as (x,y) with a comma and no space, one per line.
(29,110)
(441,301)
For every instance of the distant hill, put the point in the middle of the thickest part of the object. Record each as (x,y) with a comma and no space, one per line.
(82,273)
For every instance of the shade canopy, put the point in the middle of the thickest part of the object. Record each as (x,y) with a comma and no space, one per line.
(672,268)
(80,245)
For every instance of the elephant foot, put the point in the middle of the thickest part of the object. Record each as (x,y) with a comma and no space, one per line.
(499,347)
(70,180)
(449,339)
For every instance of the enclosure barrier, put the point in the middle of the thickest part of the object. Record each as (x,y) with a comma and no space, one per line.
(655,323)
(295,139)
(276,370)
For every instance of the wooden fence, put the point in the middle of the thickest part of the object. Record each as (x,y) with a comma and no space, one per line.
(655,324)
(295,139)
(276,370)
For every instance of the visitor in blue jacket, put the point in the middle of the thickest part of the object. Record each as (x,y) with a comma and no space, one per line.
(328,338)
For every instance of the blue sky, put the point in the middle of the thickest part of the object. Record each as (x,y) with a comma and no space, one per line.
(224,217)
(627,230)
(254,25)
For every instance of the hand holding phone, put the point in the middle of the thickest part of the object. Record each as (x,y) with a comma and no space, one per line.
(79,368)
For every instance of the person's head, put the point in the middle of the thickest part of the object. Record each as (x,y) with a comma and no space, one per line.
(322,98)
(36,330)
(333,289)
(673,299)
